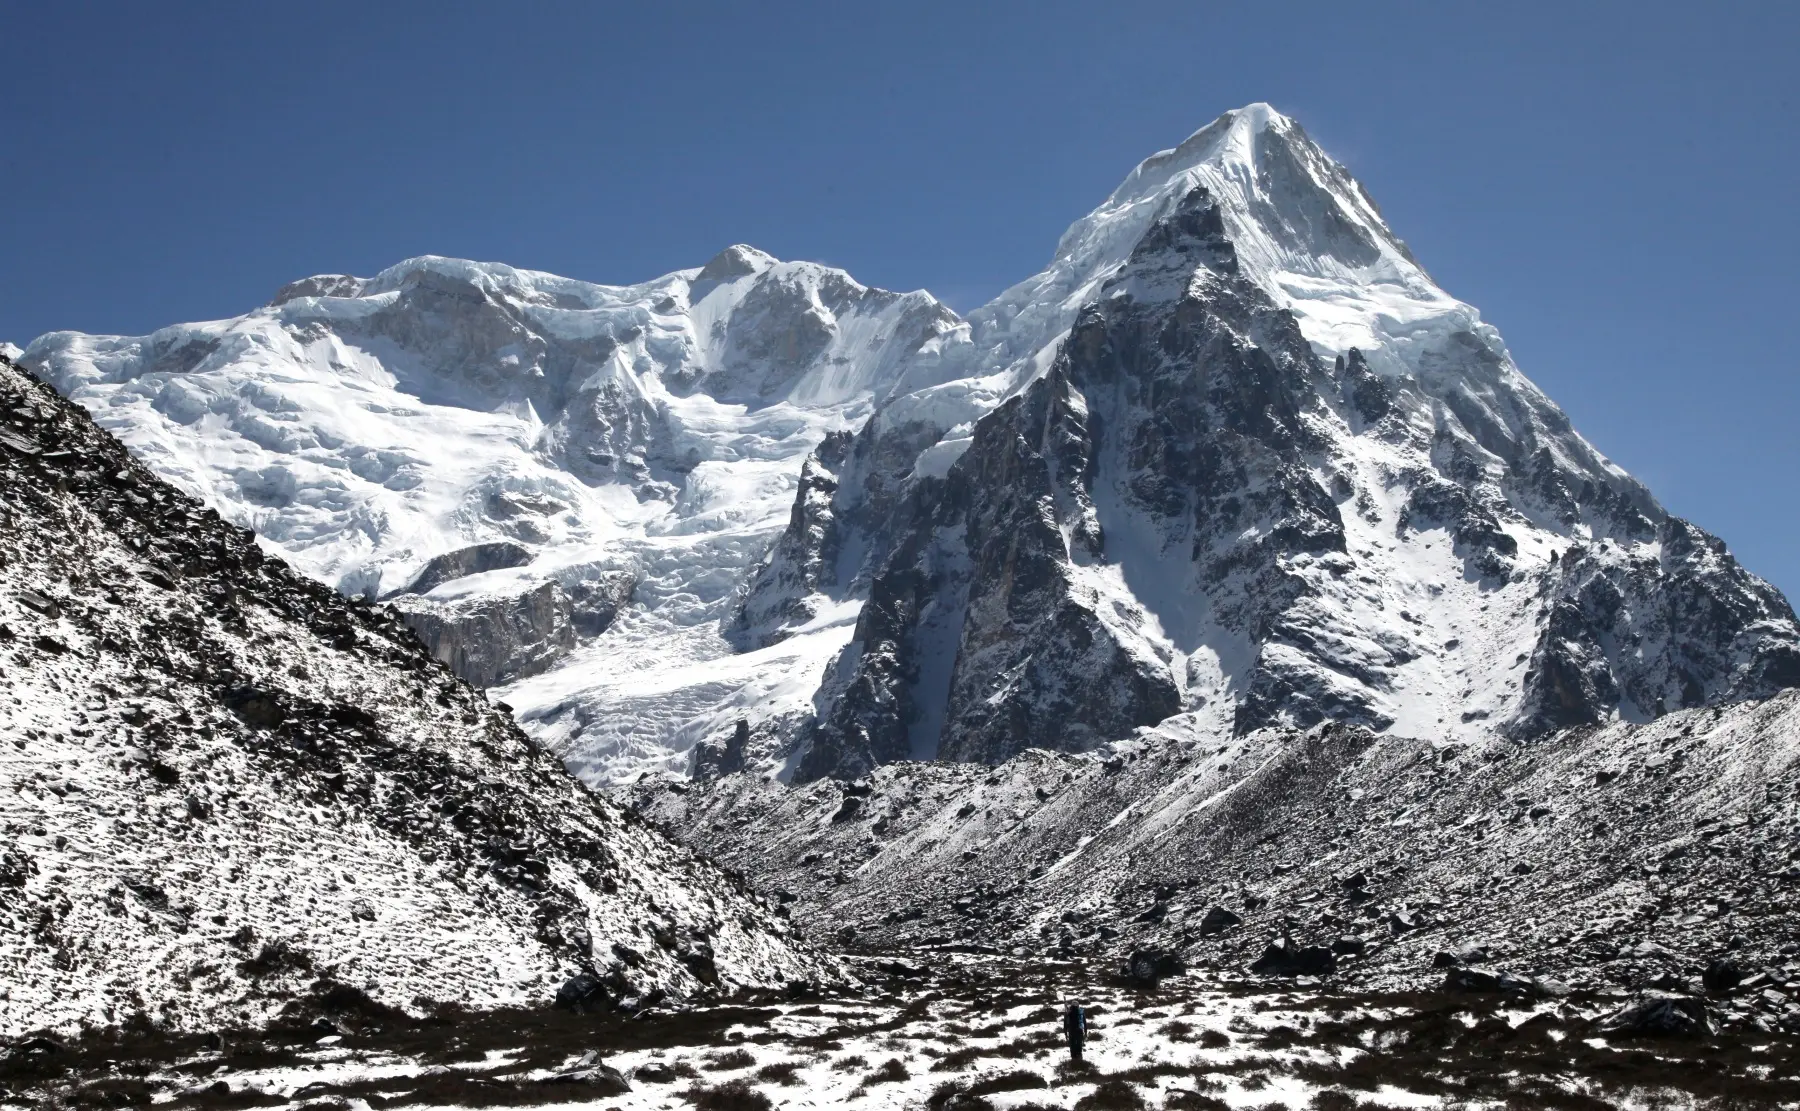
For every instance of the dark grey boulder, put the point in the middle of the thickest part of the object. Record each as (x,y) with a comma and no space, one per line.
(1217,920)
(1659,1016)
(1457,958)
(1722,975)
(1487,981)
(1282,958)
(583,992)
(1147,968)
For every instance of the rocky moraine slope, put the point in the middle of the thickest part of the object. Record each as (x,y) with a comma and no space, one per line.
(1627,858)
(227,792)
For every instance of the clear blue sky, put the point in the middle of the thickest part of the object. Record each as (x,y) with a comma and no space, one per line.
(1614,185)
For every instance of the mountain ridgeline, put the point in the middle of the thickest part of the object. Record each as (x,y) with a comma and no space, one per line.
(1231,460)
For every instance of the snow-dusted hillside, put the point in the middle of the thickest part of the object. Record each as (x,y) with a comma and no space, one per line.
(226,790)
(1232,453)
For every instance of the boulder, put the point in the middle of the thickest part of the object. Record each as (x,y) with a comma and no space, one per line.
(1146,968)
(1405,921)
(1487,981)
(1156,913)
(1457,958)
(1217,920)
(583,993)
(594,1080)
(1659,1016)
(256,708)
(1722,975)
(1282,958)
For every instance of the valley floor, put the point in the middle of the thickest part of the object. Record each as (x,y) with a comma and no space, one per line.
(963,1034)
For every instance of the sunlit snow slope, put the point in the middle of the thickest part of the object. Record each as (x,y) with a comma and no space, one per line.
(1260,468)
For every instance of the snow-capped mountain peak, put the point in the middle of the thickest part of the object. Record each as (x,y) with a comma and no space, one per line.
(1269,473)
(1304,230)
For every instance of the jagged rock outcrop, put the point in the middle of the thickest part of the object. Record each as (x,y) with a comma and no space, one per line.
(488,639)
(782,594)
(226,790)
(727,756)
(1642,631)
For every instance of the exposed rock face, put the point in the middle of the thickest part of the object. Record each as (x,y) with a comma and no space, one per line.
(489,639)
(319,285)
(467,561)
(726,757)
(224,787)
(786,325)
(783,593)
(1713,632)
(595,602)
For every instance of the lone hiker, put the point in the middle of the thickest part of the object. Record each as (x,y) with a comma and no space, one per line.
(1075,1026)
